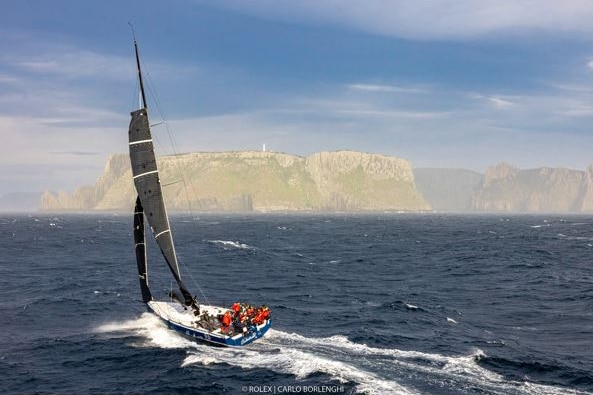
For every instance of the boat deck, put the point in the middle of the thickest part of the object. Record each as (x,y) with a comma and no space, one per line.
(183,320)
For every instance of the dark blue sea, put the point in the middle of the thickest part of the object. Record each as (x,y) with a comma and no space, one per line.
(361,304)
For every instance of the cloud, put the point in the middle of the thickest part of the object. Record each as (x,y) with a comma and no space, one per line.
(65,109)
(7,79)
(35,140)
(501,103)
(75,153)
(571,88)
(73,63)
(578,110)
(494,101)
(384,88)
(429,19)
(65,155)
(396,114)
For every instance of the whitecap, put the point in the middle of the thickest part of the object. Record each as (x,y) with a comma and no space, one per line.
(300,362)
(230,243)
(150,328)
(372,370)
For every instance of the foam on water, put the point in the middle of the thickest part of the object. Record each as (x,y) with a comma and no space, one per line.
(574,237)
(462,370)
(540,226)
(230,243)
(347,361)
(267,355)
(300,363)
(371,369)
(150,328)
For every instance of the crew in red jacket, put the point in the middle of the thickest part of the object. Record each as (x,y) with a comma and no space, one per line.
(226,322)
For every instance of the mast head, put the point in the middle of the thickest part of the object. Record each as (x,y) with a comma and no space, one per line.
(142,95)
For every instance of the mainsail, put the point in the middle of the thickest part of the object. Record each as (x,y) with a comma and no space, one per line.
(148,186)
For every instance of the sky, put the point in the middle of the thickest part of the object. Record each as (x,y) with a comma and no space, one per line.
(442,83)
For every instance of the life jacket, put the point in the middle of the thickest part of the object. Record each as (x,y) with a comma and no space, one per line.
(236,307)
(259,318)
(256,317)
(266,313)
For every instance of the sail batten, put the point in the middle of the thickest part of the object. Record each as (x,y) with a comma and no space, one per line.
(163,232)
(140,141)
(145,174)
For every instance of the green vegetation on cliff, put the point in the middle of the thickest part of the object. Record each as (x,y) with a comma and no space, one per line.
(258,181)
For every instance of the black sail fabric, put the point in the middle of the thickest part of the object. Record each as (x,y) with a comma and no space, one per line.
(140,247)
(150,194)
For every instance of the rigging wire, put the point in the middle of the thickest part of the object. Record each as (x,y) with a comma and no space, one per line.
(172,141)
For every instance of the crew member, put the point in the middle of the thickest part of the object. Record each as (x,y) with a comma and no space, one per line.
(226,321)
(236,309)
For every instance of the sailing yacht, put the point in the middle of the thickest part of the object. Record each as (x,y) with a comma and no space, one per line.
(236,326)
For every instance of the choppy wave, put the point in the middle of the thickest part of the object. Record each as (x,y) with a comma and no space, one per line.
(231,244)
(369,369)
(566,237)
(374,309)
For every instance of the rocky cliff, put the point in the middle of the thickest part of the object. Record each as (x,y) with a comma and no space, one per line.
(448,190)
(257,181)
(506,188)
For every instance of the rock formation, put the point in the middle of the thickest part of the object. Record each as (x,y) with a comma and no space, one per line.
(449,190)
(257,181)
(506,188)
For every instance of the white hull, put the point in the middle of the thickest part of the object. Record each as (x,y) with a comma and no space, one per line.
(184,321)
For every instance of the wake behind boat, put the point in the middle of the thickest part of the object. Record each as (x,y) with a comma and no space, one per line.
(236,326)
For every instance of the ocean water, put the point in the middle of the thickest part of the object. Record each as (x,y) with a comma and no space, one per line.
(361,304)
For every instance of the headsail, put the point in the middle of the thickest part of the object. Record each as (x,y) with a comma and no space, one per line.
(148,186)
(140,246)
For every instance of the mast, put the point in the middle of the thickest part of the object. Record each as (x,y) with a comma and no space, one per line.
(139,73)
(138,66)
(148,185)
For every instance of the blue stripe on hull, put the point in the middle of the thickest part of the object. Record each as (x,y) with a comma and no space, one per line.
(212,338)
(209,337)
